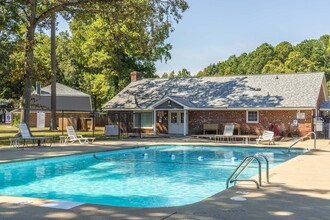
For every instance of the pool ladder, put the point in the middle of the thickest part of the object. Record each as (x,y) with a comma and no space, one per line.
(302,138)
(234,177)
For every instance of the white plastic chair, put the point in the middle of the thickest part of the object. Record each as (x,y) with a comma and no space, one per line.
(72,136)
(26,135)
(266,136)
(228,133)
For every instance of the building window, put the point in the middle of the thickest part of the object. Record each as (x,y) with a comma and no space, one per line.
(252,116)
(174,117)
(146,119)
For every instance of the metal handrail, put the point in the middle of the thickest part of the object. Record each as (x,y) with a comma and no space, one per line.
(248,163)
(267,164)
(250,158)
(300,139)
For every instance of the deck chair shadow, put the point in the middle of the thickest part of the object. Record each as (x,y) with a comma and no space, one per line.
(267,136)
(73,137)
(26,136)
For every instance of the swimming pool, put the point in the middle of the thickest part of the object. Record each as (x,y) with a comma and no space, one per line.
(159,176)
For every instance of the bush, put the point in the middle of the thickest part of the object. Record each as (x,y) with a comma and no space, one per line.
(16,119)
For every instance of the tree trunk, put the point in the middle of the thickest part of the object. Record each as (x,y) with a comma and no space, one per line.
(53,124)
(25,114)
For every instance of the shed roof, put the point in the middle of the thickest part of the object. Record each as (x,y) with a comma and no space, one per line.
(67,99)
(61,90)
(244,91)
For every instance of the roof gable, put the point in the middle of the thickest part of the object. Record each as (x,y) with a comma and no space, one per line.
(168,103)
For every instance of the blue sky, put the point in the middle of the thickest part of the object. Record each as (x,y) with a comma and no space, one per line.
(213,30)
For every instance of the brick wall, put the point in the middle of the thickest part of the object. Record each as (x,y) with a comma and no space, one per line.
(282,119)
(33,117)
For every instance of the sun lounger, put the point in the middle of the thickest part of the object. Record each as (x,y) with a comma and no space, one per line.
(267,136)
(73,137)
(25,137)
(228,133)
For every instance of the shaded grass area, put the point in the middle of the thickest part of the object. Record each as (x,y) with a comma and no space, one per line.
(7,132)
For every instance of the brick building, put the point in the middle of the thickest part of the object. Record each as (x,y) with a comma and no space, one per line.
(284,102)
(72,106)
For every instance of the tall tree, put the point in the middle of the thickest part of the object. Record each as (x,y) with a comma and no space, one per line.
(296,63)
(165,75)
(184,73)
(274,66)
(283,50)
(172,74)
(53,124)
(31,14)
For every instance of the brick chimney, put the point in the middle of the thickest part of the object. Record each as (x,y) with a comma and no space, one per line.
(135,76)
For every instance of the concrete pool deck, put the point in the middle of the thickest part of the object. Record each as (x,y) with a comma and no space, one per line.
(299,189)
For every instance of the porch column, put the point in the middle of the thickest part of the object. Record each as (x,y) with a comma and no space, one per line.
(155,121)
(185,123)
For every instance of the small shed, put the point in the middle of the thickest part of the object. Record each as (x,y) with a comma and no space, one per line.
(72,106)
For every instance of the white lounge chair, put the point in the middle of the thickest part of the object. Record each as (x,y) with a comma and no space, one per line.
(229,130)
(228,133)
(26,136)
(73,137)
(266,136)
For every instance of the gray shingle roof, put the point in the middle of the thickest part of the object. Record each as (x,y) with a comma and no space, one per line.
(61,90)
(244,91)
(67,99)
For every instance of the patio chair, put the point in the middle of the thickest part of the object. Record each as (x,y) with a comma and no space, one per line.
(25,135)
(73,137)
(266,136)
(228,133)
(229,130)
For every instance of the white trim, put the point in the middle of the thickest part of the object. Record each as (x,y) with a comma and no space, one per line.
(141,122)
(185,127)
(247,116)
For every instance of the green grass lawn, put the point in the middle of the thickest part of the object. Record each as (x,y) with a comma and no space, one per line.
(7,132)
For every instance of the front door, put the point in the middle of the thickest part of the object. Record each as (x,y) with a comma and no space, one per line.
(176,122)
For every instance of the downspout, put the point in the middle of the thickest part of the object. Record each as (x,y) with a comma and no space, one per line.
(185,122)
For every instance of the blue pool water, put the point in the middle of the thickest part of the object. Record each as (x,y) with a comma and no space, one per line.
(159,176)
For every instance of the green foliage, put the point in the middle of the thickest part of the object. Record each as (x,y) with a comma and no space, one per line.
(109,40)
(97,85)
(296,63)
(283,50)
(307,56)
(184,73)
(16,119)
(165,75)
